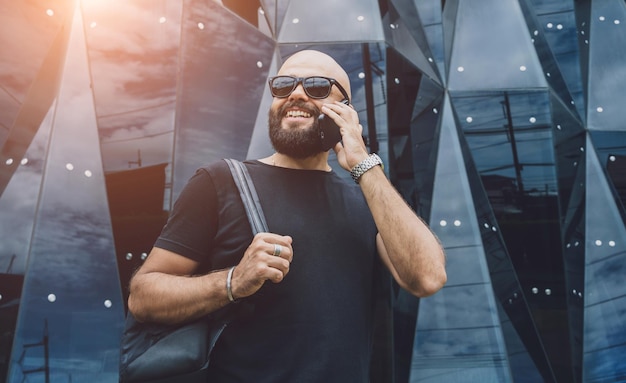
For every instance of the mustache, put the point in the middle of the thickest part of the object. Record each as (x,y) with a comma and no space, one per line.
(310,108)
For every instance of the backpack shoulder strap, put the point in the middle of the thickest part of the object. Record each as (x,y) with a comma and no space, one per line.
(249,196)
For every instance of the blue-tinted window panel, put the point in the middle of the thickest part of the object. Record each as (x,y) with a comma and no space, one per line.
(71,296)
(605,231)
(465,265)
(606,280)
(459,328)
(410,41)
(468,307)
(18,203)
(607,54)
(605,339)
(453,217)
(558,29)
(606,365)
(494,51)
(611,149)
(329,20)
(220,87)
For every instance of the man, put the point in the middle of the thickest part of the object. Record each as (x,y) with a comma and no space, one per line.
(312,321)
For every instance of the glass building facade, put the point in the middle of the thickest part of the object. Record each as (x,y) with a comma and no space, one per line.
(502,123)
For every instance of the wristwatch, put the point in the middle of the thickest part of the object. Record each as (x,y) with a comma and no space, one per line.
(365,165)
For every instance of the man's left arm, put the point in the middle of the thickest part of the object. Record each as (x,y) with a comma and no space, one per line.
(406,245)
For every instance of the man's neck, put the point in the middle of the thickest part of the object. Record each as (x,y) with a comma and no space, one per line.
(317,162)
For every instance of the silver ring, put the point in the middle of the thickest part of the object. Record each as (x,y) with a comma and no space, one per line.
(277,250)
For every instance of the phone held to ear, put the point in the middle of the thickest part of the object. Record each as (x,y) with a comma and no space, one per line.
(329,131)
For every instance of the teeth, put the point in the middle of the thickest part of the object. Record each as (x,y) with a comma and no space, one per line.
(298,113)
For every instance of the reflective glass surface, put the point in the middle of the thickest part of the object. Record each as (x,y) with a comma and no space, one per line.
(495,30)
(220,87)
(71,312)
(608,54)
(328,20)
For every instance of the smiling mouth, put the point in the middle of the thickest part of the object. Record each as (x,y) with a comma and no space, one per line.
(297,113)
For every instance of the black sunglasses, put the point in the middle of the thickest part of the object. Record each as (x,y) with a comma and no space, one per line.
(314,86)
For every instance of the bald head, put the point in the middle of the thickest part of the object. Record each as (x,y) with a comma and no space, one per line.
(315,63)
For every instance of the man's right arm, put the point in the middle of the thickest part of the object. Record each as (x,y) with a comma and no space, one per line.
(164,291)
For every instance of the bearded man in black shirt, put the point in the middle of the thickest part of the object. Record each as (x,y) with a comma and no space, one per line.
(310,279)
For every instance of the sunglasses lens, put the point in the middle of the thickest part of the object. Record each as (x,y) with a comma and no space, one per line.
(282,86)
(317,87)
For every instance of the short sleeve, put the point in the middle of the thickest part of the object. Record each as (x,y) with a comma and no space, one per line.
(191,227)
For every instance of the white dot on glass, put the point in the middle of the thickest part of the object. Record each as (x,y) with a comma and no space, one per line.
(522,68)
(144,256)
(534,290)
(559,26)
(49,12)
(460,69)
(601,18)
(612,243)
(108,303)
(69,166)
(536,33)
(52,297)
(576,243)
(162,20)
(396,80)
(548,292)
(548,74)
(9,161)
(129,256)
(612,158)
(457,223)
(200,26)
(93,24)
(469,119)
(549,25)
(261,11)
(558,127)
(259,64)
(598,242)
(435,110)
(360,18)
(430,59)
(295,21)
(361,75)
(392,26)
(443,223)
(494,229)
(616,22)
(24,161)
(600,109)
(88,173)
(486,225)
(532,120)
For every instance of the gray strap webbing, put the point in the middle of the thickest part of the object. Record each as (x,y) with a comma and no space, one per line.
(248,195)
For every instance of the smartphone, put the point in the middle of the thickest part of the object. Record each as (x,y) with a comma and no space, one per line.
(329,131)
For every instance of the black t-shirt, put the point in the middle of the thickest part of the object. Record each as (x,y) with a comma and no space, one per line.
(314,326)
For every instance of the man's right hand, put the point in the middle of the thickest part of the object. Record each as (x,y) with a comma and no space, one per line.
(267,258)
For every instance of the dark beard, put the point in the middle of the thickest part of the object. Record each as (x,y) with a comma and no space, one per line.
(296,142)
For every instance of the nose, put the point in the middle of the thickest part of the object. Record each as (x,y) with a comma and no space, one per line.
(299,93)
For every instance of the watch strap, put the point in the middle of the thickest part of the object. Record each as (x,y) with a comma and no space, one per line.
(371,161)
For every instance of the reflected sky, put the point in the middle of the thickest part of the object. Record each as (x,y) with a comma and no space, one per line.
(349,20)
